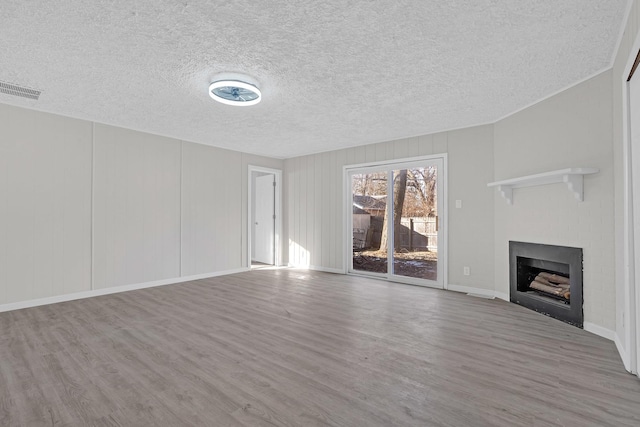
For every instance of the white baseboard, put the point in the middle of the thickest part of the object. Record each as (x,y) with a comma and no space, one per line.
(317,268)
(113,290)
(599,330)
(502,296)
(326,269)
(624,355)
(479,291)
(589,327)
(470,290)
(214,274)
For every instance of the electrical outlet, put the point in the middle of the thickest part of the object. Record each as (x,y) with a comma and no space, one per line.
(466,271)
(458,204)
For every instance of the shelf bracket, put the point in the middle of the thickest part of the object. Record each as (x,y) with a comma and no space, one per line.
(575,184)
(507,192)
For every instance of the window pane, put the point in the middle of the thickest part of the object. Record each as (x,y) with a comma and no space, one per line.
(369,194)
(415,222)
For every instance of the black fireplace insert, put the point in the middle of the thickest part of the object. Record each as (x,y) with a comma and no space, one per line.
(547,279)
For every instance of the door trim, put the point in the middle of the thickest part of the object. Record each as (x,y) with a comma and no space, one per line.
(630,293)
(348,218)
(277,256)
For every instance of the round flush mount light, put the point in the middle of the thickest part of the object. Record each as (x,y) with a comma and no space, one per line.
(235,92)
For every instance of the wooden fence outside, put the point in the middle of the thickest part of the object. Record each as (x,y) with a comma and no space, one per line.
(419,233)
(416,234)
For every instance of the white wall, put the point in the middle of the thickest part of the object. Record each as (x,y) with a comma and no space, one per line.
(314,201)
(136,207)
(471,231)
(571,129)
(211,201)
(45,205)
(86,206)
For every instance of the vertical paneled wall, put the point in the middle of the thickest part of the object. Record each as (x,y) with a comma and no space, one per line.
(87,206)
(211,203)
(471,231)
(571,129)
(136,207)
(315,200)
(45,205)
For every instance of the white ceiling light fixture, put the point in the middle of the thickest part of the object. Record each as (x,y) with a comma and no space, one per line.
(235,92)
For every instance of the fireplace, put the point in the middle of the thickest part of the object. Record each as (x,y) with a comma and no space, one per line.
(547,279)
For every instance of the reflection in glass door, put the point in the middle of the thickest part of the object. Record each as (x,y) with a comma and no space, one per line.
(395,215)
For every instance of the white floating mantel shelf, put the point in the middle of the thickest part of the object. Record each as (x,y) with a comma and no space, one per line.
(573,177)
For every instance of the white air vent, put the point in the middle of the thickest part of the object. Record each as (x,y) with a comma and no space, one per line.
(25,92)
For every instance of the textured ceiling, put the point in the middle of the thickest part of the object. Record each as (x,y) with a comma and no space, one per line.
(333,73)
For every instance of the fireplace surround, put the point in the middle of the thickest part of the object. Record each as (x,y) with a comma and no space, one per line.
(547,279)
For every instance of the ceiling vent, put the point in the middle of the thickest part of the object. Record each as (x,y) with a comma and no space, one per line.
(25,92)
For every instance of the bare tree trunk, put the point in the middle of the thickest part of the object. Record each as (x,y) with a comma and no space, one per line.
(383,236)
(399,190)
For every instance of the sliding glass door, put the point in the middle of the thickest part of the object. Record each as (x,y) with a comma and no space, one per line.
(395,221)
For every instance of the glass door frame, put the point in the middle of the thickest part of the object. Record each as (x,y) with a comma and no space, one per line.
(442,201)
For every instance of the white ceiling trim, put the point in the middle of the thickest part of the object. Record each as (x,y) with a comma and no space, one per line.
(596,74)
(625,21)
(493,122)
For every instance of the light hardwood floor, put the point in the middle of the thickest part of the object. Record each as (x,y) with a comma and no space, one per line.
(297,348)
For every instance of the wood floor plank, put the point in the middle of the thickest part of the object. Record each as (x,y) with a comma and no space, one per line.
(300,348)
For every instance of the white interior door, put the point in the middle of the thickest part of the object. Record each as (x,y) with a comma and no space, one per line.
(264,221)
(634,122)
